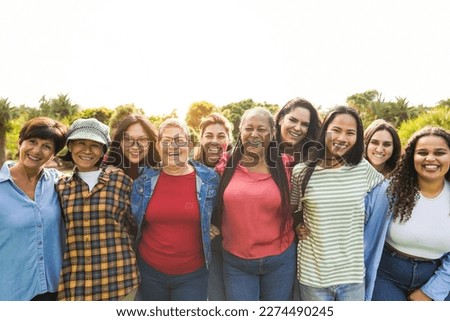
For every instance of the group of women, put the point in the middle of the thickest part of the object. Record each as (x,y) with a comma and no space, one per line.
(296,208)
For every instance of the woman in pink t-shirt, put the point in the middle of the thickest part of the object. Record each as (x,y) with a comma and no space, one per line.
(253,212)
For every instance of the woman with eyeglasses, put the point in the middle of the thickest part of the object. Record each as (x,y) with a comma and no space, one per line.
(133,145)
(173,205)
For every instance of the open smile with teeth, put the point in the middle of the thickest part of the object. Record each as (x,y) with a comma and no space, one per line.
(214,150)
(33,158)
(340,146)
(295,134)
(431,167)
(86,158)
(376,155)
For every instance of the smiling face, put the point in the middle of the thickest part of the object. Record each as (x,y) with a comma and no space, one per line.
(255,135)
(34,153)
(85,154)
(136,135)
(431,158)
(294,125)
(173,146)
(380,148)
(214,142)
(341,136)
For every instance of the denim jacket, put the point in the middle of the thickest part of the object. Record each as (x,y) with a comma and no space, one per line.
(207,182)
(375,230)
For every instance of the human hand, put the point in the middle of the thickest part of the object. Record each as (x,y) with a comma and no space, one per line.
(214,231)
(302,232)
(418,295)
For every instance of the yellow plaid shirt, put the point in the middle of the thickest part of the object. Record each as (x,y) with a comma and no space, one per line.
(99,262)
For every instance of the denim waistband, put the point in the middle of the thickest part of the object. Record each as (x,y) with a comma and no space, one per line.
(389,249)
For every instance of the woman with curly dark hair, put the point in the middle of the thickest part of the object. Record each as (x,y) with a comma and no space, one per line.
(415,264)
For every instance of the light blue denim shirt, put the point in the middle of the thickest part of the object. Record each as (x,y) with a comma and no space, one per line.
(207,182)
(375,229)
(31,238)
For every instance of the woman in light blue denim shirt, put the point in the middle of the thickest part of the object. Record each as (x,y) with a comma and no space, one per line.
(158,189)
(30,217)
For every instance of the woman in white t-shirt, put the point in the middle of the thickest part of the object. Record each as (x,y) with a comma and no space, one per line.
(415,264)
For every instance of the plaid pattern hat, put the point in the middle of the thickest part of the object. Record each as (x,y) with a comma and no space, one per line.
(91,129)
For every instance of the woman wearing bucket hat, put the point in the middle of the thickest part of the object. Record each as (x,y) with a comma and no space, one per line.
(99,262)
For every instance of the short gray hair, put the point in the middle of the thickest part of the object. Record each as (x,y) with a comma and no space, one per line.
(174,122)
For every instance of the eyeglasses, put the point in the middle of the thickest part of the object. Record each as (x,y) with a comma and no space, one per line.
(141,142)
(179,142)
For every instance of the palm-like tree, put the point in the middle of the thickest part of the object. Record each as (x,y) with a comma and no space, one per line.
(7,113)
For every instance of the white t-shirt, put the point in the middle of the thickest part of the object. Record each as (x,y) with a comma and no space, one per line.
(427,233)
(91,178)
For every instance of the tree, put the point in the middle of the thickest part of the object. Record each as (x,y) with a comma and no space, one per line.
(122,111)
(234,112)
(60,108)
(7,114)
(196,112)
(437,116)
(364,104)
(102,114)
(158,119)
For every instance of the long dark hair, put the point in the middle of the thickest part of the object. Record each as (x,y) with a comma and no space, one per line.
(301,148)
(381,124)
(274,162)
(351,158)
(115,156)
(403,188)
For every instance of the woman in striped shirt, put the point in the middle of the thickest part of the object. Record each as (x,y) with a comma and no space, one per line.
(331,189)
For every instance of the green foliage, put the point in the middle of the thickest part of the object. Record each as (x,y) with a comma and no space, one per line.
(158,119)
(7,114)
(122,111)
(234,112)
(196,112)
(437,116)
(371,106)
(60,108)
(102,114)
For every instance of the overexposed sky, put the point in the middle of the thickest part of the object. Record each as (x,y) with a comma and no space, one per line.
(162,55)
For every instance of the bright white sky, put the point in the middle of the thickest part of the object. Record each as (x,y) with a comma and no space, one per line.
(168,54)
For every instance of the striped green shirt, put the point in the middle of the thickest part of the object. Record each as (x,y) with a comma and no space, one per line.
(333,205)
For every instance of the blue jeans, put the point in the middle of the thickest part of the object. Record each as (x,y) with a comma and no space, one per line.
(397,276)
(268,279)
(158,286)
(340,292)
(216,285)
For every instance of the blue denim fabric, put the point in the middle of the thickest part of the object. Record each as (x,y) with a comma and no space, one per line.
(341,292)
(216,284)
(267,279)
(397,276)
(31,237)
(375,229)
(207,182)
(158,286)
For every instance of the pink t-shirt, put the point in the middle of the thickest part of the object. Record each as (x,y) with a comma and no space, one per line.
(251,218)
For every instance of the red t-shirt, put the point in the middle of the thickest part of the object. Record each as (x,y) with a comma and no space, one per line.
(171,239)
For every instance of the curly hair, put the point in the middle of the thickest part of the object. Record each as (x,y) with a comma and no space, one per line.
(403,188)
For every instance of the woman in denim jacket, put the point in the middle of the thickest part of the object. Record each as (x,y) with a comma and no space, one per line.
(172,205)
